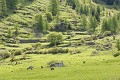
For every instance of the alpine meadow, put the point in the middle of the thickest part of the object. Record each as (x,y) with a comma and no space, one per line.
(59,39)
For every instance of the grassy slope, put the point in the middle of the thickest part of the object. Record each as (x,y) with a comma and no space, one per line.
(24,16)
(102,67)
(95,68)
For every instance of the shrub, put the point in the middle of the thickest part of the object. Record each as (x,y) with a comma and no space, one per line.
(24,56)
(4,54)
(18,52)
(55,38)
(69,37)
(37,46)
(57,50)
(43,52)
(116,54)
(107,33)
(118,45)
(49,16)
(73,34)
(75,51)
(12,57)
(10,33)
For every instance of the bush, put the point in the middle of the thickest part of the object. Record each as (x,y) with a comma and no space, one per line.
(116,54)
(24,56)
(18,52)
(118,45)
(4,54)
(57,50)
(43,52)
(37,46)
(107,33)
(69,37)
(49,16)
(55,38)
(75,51)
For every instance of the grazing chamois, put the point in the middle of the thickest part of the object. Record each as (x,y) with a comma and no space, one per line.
(30,67)
(52,69)
(42,67)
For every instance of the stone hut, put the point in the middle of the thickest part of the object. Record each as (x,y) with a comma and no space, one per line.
(57,64)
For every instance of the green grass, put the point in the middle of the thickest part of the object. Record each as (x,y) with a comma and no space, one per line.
(102,67)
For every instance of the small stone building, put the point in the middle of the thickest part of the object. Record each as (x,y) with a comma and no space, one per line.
(57,64)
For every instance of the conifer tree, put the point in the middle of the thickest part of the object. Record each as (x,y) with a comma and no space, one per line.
(57,19)
(115,24)
(93,23)
(3,7)
(118,45)
(16,30)
(110,24)
(39,23)
(84,22)
(54,7)
(10,34)
(12,3)
(46,25)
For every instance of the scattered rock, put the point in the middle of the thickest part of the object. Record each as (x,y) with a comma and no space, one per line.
(30,67)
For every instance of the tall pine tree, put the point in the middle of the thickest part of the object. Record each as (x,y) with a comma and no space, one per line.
(54,7)
(3,7)
(93,23)
(39,23)
(12,4)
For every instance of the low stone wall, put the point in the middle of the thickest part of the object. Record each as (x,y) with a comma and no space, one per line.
(29,41)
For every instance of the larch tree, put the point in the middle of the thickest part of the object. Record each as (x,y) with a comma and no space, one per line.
(3,7)
(54,7)
(93,23)
(39,25)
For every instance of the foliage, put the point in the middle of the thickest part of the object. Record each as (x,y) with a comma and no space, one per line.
(4,54)
(54,7)
(49,16)
(24,56)
(12,4)
(18,52)
(110,24)
(93,24)
(83,23)
(12,56)
(46,25)
(118,45)
(37,46)
(10,33)
(3,7)
(39,25)
(116,54)
(57,50)
(55,38)
(107,33)
(16,33)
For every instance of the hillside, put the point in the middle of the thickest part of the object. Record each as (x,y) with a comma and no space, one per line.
(59,39)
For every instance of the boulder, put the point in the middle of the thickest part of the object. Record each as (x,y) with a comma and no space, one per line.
(90,43)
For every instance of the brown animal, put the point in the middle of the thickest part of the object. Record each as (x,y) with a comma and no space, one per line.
(52,69)
(42,67)
(30,67)
(84,62)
